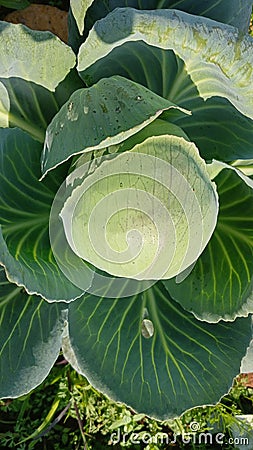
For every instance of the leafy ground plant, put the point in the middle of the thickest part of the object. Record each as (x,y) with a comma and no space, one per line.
(126,201)
(47,418)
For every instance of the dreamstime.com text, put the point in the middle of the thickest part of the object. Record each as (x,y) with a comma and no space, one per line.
(186,438)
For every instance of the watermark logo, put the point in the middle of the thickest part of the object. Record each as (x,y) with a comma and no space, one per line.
(161,438)
(194,426)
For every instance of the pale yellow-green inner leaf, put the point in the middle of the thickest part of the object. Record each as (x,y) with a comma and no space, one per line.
(144,214)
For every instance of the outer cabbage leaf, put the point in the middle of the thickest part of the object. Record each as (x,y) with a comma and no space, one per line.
(24,217)
(79,9)
(225,293)
(30,338)
(41,58)
(179,363)
(231,12)
(159,127)
(245,166)
(84,13)
(31,107)
(197,64)
(101,116)
(247,361)
(33,66)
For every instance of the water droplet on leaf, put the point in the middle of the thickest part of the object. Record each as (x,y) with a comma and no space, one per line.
(86,109)
(147,328)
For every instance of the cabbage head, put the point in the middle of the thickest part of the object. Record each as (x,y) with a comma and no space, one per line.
(126,207)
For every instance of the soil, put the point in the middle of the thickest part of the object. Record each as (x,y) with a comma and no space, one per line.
(41,16)
(247,379)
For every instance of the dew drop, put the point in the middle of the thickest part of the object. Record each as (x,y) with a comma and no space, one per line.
(147,328)
(86,109)
(139,97)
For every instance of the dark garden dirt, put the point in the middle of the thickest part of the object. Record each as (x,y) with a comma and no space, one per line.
(41,17)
